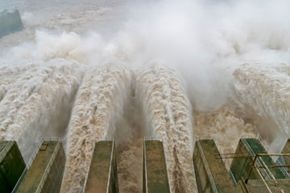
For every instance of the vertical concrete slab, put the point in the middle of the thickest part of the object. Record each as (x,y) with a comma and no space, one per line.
(155,179)
(210,170)
(102,177)
(12,165)
(286,150)
(284,160)
(46,172)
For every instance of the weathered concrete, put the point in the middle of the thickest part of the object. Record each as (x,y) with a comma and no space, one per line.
(102,177)
(46,171)
(211,173)
(286,158)
(155,179)
(12,165)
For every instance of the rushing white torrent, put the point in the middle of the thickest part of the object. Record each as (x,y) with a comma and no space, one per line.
(38,104)
(204,40)
(9,74)
(98,106)
(168,118)
(264,94)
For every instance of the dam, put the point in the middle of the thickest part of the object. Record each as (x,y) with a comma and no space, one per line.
(144,96)
(252,170)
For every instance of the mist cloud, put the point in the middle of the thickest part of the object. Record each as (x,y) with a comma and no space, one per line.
(204,40)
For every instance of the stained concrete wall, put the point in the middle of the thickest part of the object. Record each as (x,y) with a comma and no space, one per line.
(11,165)
(46,171)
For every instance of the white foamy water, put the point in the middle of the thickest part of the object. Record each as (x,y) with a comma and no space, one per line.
(9,74)
(167,112)
(38,103)
(264,94)
(98,105)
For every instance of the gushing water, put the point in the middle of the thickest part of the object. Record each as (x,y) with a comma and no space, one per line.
(168,118)
(98,105)
(206,41)
(37,103)
(263,94)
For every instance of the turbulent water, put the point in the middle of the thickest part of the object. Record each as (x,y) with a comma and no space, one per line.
(83,72)
(168,117)
(97,107)
(225,126)
(36,103)
(263,94)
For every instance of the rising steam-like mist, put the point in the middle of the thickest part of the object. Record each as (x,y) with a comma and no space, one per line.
(199,38)
(67,59)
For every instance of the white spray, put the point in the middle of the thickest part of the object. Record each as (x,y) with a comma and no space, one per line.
(38,104)
(168,116)
(98,106)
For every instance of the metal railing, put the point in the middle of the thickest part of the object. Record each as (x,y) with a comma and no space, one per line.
(266,175)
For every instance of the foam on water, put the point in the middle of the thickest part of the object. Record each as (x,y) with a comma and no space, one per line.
(9,74)
(168,118)
(264,93)
(38,103)
(98,105)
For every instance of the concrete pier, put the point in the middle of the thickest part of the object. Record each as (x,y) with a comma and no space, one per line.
(210,171)
(155,179)
(46,172)
(12,166)
(102,177)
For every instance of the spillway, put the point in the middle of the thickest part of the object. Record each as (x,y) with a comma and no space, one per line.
(148,96)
